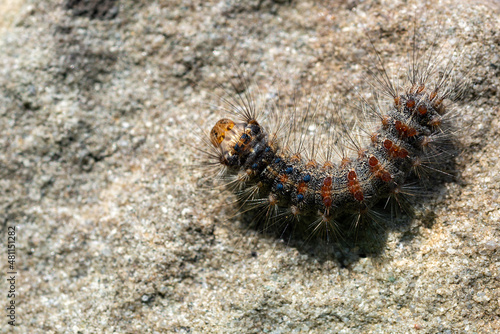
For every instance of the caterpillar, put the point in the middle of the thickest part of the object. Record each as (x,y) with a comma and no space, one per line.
(290,184)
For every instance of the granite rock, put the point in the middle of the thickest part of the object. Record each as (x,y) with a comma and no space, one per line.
(100,106)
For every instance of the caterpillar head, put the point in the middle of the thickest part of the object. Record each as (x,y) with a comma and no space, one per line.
(235,141)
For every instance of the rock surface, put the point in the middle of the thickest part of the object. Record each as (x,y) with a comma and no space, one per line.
(116,233)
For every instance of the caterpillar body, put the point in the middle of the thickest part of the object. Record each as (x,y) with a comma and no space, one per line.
(294,190)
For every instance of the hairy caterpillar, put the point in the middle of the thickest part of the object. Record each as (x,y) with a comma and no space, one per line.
(291,184)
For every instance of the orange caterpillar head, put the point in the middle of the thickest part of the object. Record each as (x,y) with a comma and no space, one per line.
(234,140)
(219,131)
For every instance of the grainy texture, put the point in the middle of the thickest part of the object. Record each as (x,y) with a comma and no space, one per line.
(115,235)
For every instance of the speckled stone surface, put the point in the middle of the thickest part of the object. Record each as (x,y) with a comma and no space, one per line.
(117,234)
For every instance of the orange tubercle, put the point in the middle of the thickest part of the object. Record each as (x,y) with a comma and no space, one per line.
(302,187)
(327,181)
(358,195)
(295,158)
(410,103)
(327,201)
(311,164)
(436,121)
(422,110)
(373,161)
(397,101)
(433,95)
(385,176)
(328,165)
(344,162)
